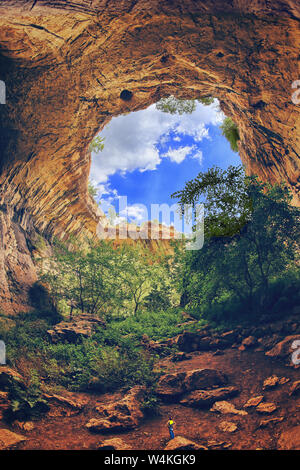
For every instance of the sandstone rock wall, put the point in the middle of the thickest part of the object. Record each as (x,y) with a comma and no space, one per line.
(66,63)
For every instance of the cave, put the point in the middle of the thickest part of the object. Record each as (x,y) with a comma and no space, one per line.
(69,67)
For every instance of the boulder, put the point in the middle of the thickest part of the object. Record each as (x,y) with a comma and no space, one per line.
(205,398)
(9,439)
(290,439)
(68,405)
(172,386)
(224,407)
(119,415)
(190,341)
(203,379)
(73,331)
(181,443)
(283,349)
(113,444)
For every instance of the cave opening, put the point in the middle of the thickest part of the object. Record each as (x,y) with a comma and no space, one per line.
(149,154)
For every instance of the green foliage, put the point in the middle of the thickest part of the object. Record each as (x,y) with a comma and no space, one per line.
(174,105)
(150,405)
(26,403)
(234,272)
(101,280)
(157,325)
(97,145)
(93,191)
(225,197)
(231,133)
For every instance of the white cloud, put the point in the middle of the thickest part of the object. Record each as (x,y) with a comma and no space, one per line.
(135,211)
(131,140)
(198,156)
(179,154)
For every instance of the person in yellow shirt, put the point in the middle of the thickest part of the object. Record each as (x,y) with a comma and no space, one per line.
(170,426)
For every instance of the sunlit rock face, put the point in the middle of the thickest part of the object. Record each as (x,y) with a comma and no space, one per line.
(70,66)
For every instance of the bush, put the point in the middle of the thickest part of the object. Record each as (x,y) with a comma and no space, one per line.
(26,403)
(231,133)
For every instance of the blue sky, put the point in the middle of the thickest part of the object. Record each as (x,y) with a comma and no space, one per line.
(149,154)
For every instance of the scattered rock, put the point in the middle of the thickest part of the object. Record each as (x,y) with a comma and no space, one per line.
(181,443)
(270,382)
(290,439)
(172,386)
(295,388)
(113,444)
(249,342)
(119,415)
(224,407)
(284,380)
(203,398)
(24,425)
(218,444)
(265,422)
(9,439)
(252,402)
(266,407)
(73,331)
(227,426)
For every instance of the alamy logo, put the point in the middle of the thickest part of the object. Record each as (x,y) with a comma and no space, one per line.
(2,353)
(188,225)
(296,354)
(2,92)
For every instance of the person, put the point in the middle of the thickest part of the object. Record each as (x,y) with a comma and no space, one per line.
(170,426)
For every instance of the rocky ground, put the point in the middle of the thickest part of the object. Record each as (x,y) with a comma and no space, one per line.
(235,390)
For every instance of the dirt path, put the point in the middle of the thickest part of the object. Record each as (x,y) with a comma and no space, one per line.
(245,369)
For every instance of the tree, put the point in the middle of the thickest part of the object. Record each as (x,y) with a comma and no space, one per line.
(82,277)
(231,133)
(240,263)
(98,279)
(138,273)
(225,196)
